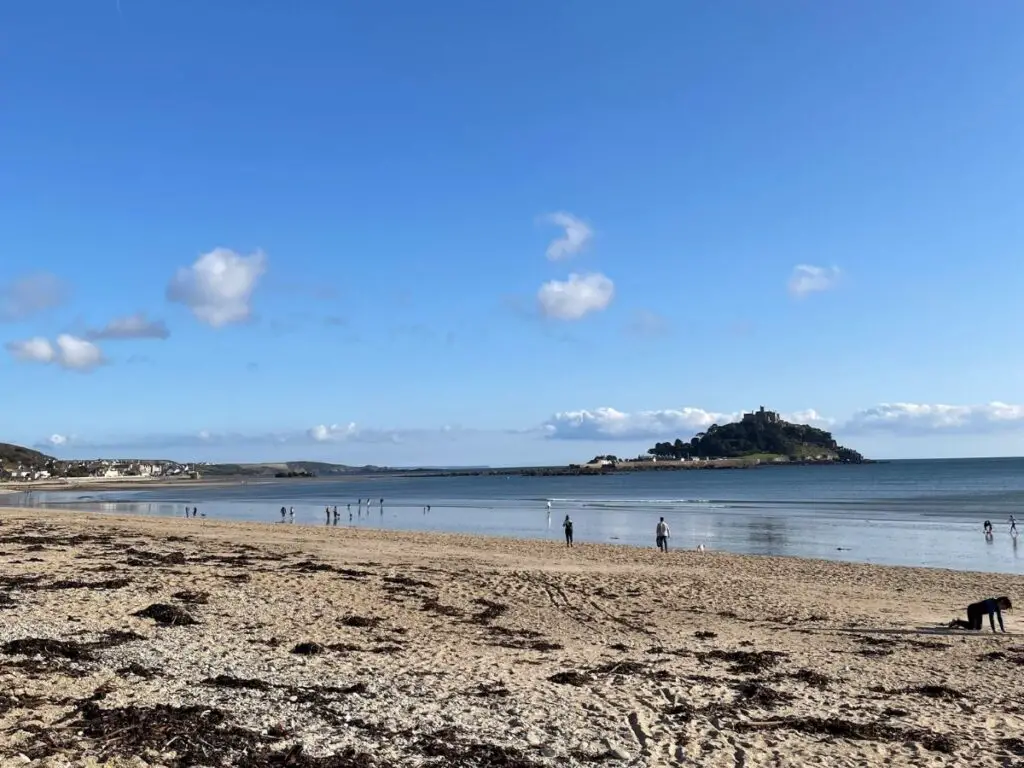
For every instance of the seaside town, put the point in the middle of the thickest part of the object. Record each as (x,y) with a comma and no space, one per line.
(54,469)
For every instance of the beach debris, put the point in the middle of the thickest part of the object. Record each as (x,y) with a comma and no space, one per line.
(703,634)
(228,681)
(491,611)
(811,678)
(137,670)
(449,749)
(360,622)
(191,597)
(48,649)
(406,581)
(77,584)
(757,693)
(140,557)
(845,729)
(166,615)
(432,605)
(744,662)
(570,677)
(622,668)
(485,690)
(308,649)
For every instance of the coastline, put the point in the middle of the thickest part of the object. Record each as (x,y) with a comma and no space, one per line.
(450,649)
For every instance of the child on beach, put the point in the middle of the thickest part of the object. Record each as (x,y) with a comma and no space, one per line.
(993,606)
(567,525)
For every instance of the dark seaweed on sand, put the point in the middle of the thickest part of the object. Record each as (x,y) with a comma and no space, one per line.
(835,727)
(166,615)
(744,662)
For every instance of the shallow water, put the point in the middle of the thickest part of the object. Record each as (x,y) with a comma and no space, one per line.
(924,513)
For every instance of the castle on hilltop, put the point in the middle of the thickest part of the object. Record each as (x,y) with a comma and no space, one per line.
(762,416)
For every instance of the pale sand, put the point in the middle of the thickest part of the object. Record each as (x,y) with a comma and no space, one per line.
(444,680)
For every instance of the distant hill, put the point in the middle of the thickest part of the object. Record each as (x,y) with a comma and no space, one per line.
(318,468)
(13,456)
(761,434)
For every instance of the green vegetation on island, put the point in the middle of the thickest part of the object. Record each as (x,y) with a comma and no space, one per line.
(761,435)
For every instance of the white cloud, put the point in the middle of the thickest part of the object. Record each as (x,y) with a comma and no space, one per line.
(577,235)
(56,440)
(610,424)
(136,326)
(68,352)
(34,350)
(30,295)
(218,288)
(323,433)
(807,278)
(922,419)
(573,298)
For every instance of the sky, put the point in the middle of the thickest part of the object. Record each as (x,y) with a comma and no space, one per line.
(506,233)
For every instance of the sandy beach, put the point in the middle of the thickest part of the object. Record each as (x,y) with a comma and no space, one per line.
(137,641)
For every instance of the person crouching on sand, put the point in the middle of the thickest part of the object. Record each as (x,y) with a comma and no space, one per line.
(661,534)
(993,606)
(567,525)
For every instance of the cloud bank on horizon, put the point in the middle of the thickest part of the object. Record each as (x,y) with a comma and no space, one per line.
(605,425)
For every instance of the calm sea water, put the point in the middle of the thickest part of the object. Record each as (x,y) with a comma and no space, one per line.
(925,513)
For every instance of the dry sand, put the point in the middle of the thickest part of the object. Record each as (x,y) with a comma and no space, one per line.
(438,650)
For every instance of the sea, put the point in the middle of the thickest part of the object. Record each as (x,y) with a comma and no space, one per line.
(915,513)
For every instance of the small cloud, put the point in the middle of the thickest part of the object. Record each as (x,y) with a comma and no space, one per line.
(323,433)
(218,288)
(807,278)
(916,419)
(69,352)
(136,326)
(610,424)
(31,295)
(577,235)
(578,296)
(647,324)
(57,440)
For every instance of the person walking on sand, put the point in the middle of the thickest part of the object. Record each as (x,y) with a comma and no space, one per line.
(993,606)
(567,525)
(661,535)
(327,513)
(291,513)
(284,514)
(1013,525)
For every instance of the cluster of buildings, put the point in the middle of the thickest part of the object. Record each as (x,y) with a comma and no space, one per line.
(101,468)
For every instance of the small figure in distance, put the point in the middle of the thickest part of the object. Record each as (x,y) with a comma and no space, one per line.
(567,525)
(993,606)
(291,513)
(987,527)
(1013,525)
(284,513)
(661,534)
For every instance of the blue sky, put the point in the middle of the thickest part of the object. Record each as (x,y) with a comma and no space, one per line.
(257,230)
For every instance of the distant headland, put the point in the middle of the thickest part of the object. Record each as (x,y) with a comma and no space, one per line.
(759,439)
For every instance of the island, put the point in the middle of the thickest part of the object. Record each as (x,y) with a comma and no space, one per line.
(763,436)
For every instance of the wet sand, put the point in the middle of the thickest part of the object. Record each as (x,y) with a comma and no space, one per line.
(181,643)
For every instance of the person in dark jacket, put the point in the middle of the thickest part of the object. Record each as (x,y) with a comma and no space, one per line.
(567,525)
(993,606)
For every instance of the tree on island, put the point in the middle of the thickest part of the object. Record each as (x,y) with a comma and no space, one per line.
(761,432)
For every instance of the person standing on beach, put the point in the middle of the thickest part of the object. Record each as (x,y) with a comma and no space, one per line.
(327,513)
(661,535)
(382,507)
(993,606)
(567,525)
(284,514)
(1013,525)
(291,513)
